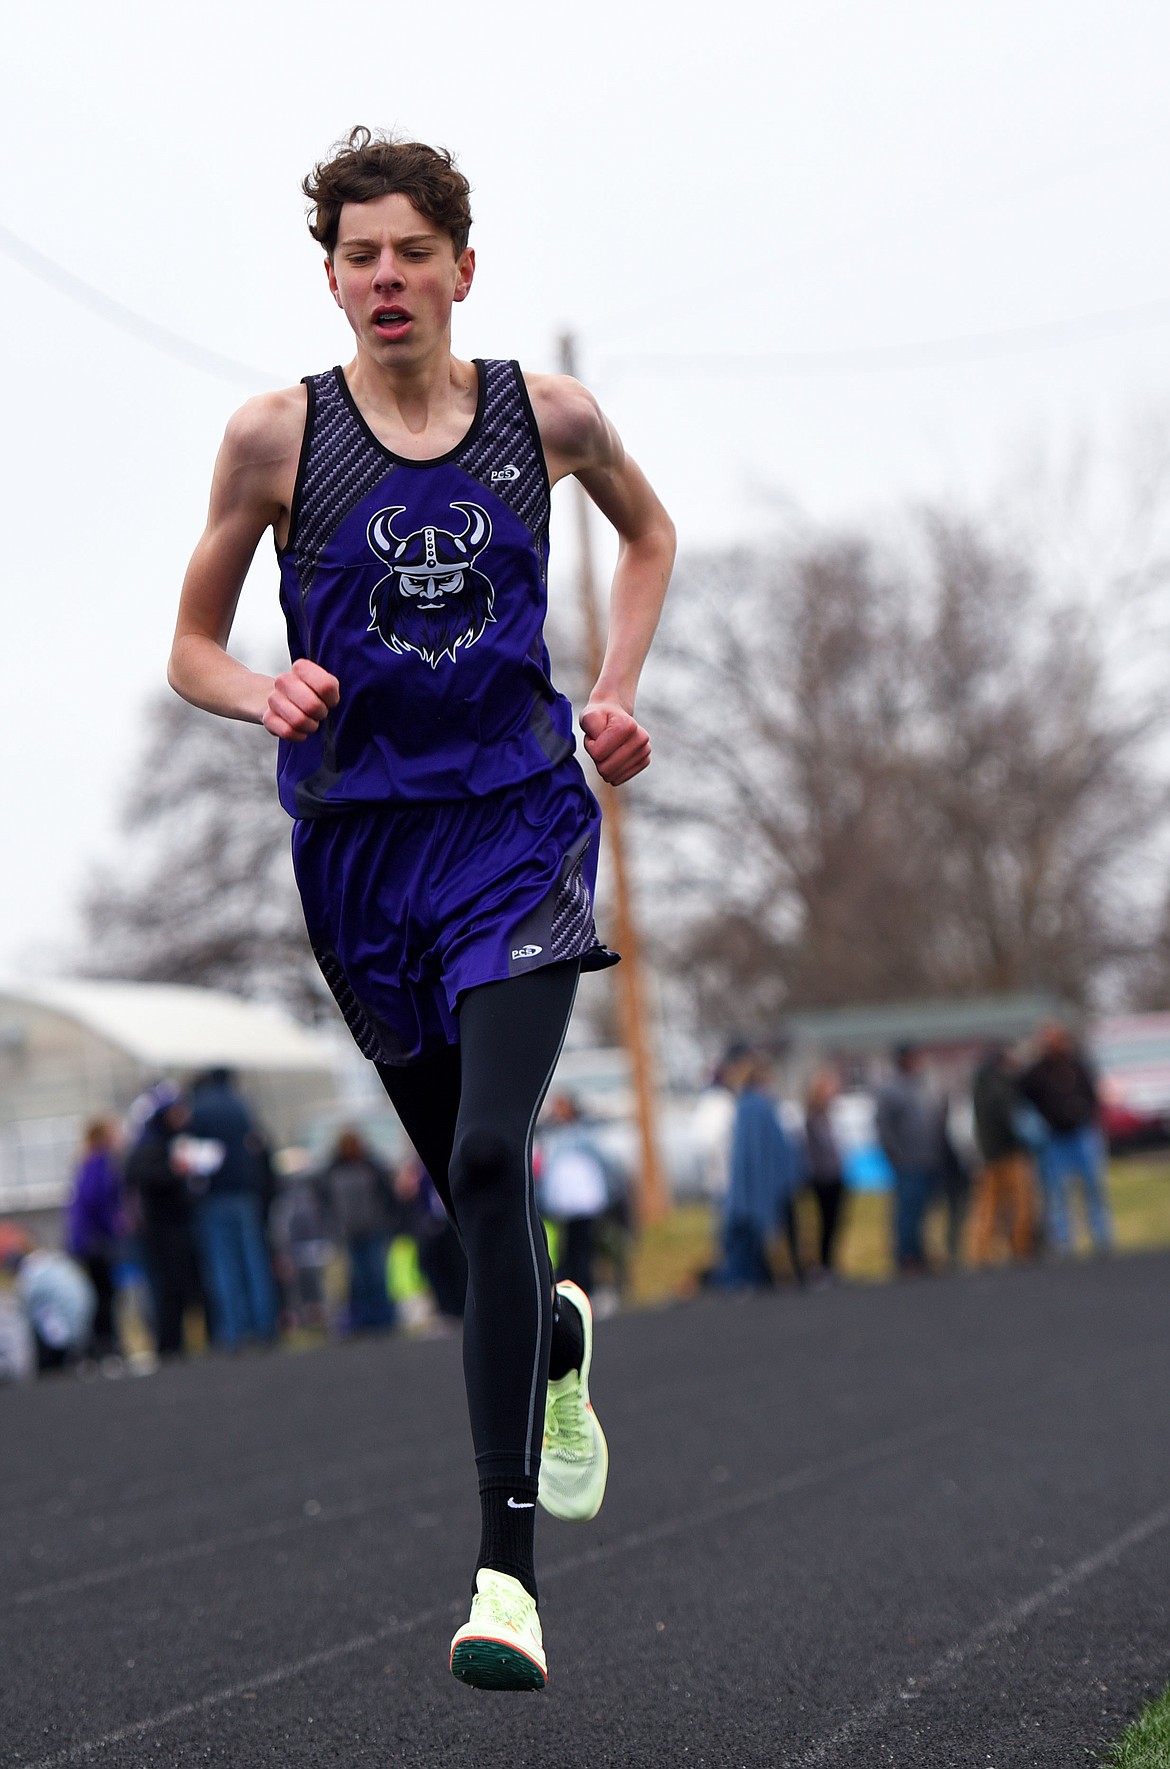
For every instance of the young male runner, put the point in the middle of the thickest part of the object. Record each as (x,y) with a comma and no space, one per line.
(445,841)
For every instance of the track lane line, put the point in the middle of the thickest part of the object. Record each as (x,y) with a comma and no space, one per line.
(271,1531)
(248,1686)
(991,1633)
(245,1538)
(851,1461)
(854,1461)
(260,1472)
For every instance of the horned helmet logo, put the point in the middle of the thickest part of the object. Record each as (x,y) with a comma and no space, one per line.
(432,601)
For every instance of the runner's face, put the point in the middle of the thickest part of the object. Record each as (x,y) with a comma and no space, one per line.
(394,275)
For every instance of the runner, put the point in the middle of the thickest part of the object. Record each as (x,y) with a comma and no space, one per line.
(445,842)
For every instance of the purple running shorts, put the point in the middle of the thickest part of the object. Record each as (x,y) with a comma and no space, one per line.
(409,906)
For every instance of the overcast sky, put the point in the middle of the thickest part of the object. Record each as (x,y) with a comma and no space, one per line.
(939,226)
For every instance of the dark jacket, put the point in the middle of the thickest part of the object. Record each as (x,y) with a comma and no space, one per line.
(910,1127)
(162,1193)
(218,1114)
(1062,1090)
(359,1202)
(996,1101)
(824,1157)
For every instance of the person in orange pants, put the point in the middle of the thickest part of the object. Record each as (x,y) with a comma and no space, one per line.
(1005,1190)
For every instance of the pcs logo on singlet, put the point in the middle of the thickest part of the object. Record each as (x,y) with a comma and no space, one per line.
(432,601)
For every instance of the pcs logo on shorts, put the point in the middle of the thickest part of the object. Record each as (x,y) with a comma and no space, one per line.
(432,600)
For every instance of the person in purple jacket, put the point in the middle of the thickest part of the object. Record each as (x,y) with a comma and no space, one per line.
(95,1226)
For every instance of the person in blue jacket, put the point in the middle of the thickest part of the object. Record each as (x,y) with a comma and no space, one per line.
(766,1172)
(237,1272)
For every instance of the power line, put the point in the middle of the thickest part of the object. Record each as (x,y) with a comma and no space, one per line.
(115,313)
(1013,341)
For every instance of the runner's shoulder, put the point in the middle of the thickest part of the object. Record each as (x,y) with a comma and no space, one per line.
(571,423)
(266,431)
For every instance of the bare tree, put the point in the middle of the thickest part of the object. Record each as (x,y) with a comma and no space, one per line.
(883,770)
(889,774)
(1147,975)
(1032,776)
(203,891)
(777,699)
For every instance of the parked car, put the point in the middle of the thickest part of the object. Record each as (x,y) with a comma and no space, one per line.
(1132,1057)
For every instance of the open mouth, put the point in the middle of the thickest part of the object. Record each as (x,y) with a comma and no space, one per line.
(391,321)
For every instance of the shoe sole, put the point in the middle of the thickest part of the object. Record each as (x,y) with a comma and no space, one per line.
(490,1664)
(584,1308)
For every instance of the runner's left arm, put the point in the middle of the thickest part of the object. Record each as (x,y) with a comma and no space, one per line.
(579,439)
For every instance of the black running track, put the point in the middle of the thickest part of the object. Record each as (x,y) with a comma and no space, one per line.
(925,1525)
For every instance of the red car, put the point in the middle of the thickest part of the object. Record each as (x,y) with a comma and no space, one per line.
(1132,1057)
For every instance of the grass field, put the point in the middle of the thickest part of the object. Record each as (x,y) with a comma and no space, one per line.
(1145,1744)
(668,1256)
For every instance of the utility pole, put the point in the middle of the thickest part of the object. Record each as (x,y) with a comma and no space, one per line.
(652,1198)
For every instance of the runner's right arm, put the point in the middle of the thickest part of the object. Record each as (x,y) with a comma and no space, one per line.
(251,491)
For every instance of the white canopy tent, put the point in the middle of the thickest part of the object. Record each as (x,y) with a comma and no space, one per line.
(72,1049)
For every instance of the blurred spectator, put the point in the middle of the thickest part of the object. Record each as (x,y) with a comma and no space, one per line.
(163,1207)
(823,1160)
(363,1214)
(301,1251)
(230,1177)
(18,1351)
(59,1303)
(766,1171)
(441,1258)
(712,1123)
(910,1131)
(95,1226)
(1063,1090)
(613,1238)
(1004,1188)
(955,1182)
(574,1188)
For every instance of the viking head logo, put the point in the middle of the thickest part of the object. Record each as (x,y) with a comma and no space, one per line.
(432,600)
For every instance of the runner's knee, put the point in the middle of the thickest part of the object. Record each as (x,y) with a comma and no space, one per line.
(488,1172)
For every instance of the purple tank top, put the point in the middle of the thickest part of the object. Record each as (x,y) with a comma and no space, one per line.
(422,586)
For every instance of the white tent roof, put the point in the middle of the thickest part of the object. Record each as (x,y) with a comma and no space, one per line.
(173,1026)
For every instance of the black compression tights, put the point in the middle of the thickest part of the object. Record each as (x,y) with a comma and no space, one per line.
(470,1113)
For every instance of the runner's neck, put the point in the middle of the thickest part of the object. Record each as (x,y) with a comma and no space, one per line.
(419,412)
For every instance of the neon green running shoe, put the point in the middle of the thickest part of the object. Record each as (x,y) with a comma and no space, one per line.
(501,1647)
(574,1461)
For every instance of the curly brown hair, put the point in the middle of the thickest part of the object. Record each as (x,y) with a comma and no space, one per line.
(368,165)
